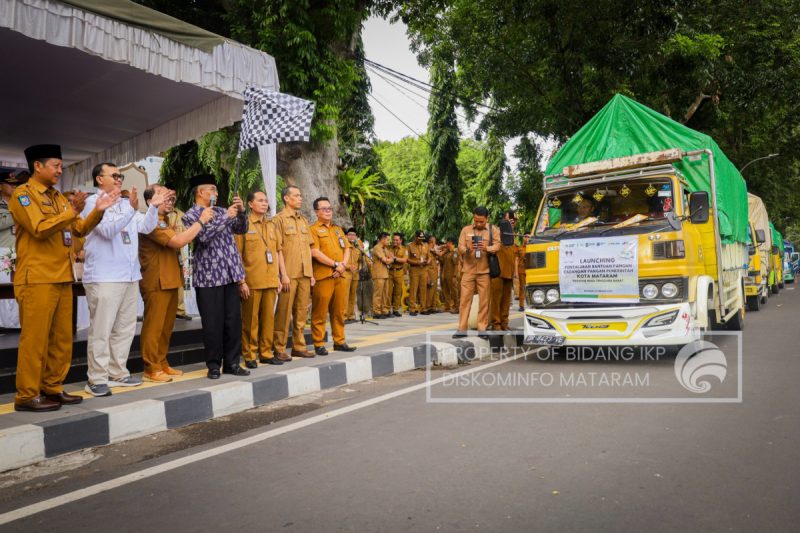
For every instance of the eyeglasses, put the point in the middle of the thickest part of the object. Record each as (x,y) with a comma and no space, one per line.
(325,209)
(118,177)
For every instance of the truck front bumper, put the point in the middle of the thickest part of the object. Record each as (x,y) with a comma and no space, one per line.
(647,325)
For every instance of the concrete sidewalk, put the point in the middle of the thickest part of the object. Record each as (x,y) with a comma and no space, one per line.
(393,346)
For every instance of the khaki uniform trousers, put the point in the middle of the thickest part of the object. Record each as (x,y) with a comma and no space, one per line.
(380,296)
(430,293)
(501,289)
(160,308)
(328,297)
(258,323)
(450,293)
(416,294)
(181,309)
(396,291)
(45,342)
(470,284)
(292,305)
(352,297)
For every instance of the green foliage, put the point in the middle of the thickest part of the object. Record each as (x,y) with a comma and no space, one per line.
(405,164)
(486,188)
(526,185)
(360,189)
(311,43)
(444,186)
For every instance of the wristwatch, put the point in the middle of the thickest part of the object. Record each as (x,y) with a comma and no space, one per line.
(335,265)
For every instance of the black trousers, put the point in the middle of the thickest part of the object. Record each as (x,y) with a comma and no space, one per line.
(221,314)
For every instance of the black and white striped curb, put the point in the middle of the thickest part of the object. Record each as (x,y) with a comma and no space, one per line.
(27,444)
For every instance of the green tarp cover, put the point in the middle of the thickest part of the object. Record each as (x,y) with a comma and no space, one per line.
(777,238)
(151,20)
(625,127)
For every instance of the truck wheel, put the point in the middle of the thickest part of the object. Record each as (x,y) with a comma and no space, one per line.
(775,289)
(737,322)
(781,285)
(753,303)
(764,297)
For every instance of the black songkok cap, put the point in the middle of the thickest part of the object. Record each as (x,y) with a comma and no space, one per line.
(42,151)
(202,179)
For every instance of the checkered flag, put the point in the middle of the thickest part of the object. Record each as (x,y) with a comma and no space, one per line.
(273,117)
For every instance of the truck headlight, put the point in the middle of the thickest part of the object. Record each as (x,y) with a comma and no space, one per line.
(537,322)
(649,291)
(552,295)
(662,320)
(538,296)
(669,290)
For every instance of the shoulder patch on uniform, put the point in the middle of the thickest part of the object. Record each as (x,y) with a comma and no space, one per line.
(24,199)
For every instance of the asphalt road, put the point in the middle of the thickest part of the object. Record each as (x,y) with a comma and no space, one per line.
(382,457)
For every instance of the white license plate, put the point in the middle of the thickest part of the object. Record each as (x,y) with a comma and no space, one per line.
(548,340)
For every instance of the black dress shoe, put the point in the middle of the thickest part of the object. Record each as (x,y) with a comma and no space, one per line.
(270,361)
(397,314)
(521,308)
(251,363)
(426,313)
(459,334)
(37,405)
(213,373)
(484,336)
(378,317)
(183,317)
(63,398)
(320,350)
(237,371)
(414,313)
(343,348)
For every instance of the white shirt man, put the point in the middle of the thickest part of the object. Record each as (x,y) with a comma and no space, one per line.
(111,279)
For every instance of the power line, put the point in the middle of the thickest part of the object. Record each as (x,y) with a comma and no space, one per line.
(405,91)
(415,132)
(424,85)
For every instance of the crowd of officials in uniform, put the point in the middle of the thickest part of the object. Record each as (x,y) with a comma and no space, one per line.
(255,276)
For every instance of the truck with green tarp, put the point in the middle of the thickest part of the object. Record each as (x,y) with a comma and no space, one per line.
(640,238)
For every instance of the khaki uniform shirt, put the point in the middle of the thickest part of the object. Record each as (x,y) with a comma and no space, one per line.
(417,252)
(400,252)
(354,260)
(329,239)
(472,265)
(161,269)
(46,225)
(294,240)
(257,247)
(450,265)
(379,268)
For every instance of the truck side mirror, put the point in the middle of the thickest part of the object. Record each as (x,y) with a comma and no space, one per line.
(761,238)
(751,249)
(775,249)
(698,207)
(795,256)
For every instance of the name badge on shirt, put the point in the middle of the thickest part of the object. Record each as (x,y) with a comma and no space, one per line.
(269,257)
(67,237)
(341,243)
(126,237)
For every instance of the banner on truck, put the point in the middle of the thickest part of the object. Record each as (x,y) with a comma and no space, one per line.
(601,269)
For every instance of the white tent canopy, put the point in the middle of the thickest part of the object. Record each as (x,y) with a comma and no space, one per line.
(108,89)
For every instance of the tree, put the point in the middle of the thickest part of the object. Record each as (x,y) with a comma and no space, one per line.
(358,189)
(487,186)
(526,187)
(443,184)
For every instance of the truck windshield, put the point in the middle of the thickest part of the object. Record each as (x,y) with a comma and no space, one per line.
(619,204)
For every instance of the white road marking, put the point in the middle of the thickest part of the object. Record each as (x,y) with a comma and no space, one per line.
(98,488)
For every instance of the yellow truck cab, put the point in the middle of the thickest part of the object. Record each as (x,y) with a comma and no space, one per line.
(759,268)
(630,250)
